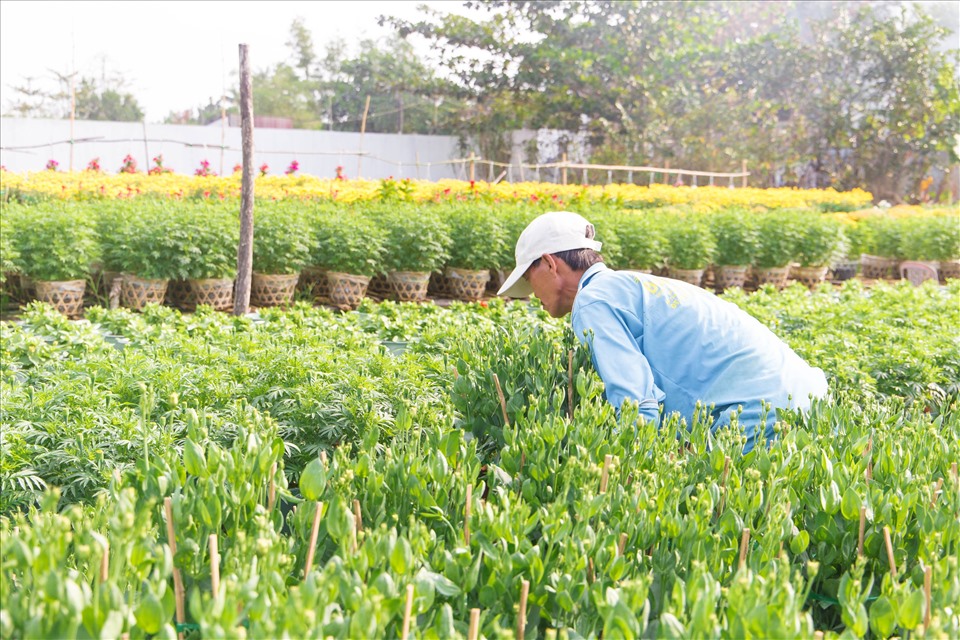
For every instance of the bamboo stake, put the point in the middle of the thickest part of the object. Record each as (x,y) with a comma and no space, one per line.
(407,610)
(590,573)
(522,614)
(936,493)
(868,474)
(323,457)
(177,578)
(314,531)
(863,525)
(241,298)
(466,516)
(723,484)
(474,631)
(744,541)
(503,402)
(890,558)
(927,588)
(622,545)
(105,562)
(605,475)
(214,566)
(358,516)
(272,492)
(570,385)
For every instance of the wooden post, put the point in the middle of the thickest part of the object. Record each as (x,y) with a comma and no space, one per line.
(666,173)
(563,169)
(590,574)
(522,614)
(473,167)
(936,493)
(863,525)
(417,156)
(357,515)
(73,113)
(723,484)
(214,566)
(744,541)
(623,544)
(927,588)
(743,169)
(241,300)
(474,631)
(503,402)
(105,562)
(890,559)
(146,149)
(605,474)
(466,515)
(363,129)
(177,578)
(570,385)
(407,610)
(314,531)
(272,491)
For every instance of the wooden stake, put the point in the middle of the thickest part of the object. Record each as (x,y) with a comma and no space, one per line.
(723,484)
(868,474)
(177,578)
(622,545)
(466,516)
(744,541)
(890,558)
(474,631)
(863,525)
(522,614)
(605,475)
(358,516)
(503,402)
(105,562)
(927,588)
(314,531)
(407,610)
(323,457)
(570,385)
(590,574)
(363,129)
(214,566)
(241,299)
(272,492)
(936,493)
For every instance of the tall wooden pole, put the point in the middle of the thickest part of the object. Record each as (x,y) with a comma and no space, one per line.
(241,299)
(363,129)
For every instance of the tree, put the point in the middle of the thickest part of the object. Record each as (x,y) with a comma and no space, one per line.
(102,98)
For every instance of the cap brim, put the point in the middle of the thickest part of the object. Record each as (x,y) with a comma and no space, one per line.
(515,286)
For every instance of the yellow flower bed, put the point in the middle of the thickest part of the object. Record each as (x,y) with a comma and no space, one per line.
(85,185)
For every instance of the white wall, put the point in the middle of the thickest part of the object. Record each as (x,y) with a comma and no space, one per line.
(26,144)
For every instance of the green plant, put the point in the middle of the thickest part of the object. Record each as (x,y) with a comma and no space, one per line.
(883,236)
(779,235)
(53,242)
(282,241)
(144,239)
(929,237)
(348,242)
(690,243)
(643,241)
(8,251)
(476,238)
(417,239)
(737,237)
(208,235)
(820,240)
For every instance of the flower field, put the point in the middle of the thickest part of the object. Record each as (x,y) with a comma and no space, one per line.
(412,470)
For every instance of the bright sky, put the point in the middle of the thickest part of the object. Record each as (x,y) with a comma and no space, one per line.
(175,55)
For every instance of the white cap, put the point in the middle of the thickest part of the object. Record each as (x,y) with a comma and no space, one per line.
(551,232)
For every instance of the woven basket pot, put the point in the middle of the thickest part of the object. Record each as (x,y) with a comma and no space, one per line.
(215,292)
(810,276)
(346,289)
(468,284)
(842,271)
(179,295)
(693,276)
(136,293)
(440,286)
(876,266)
(727,276)
(313,282)
(949,269)
(497,278)
(66,296)
(380,287)
(409,286)
(777,276)
(273,289)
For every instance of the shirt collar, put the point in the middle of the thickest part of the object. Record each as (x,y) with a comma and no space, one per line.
(589,273)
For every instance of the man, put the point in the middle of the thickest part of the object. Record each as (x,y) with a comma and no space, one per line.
(657,340)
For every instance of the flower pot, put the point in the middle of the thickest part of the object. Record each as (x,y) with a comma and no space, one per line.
(777,276)
(727,276)
(179,295)
(876,266)
(215,292)
(949,269)
(497,278)
(409,286)
(692,276)
(842,271)
(66,296)
(379,287)
(136,293)
(313,282)
(810,276)
(272,289)
(347,290)
(468,284)
(440,286)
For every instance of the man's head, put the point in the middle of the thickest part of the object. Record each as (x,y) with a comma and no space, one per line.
(552,253)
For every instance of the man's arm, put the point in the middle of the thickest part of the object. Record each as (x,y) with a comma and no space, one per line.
(616,355)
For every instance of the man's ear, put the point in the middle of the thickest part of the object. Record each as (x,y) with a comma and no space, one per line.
(550,261)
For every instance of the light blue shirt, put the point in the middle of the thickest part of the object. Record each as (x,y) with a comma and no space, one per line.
(662,341)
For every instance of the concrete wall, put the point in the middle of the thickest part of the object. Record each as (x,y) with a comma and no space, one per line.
(26,144)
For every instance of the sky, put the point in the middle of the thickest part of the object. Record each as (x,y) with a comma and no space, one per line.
(175,55)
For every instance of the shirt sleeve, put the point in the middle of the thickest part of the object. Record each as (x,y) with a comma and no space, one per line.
(617,357)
